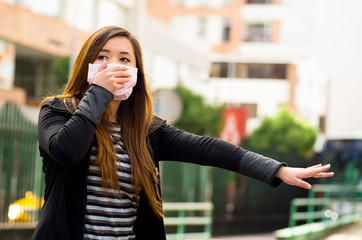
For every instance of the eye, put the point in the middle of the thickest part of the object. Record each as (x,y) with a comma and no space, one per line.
(124,59)
(102,57)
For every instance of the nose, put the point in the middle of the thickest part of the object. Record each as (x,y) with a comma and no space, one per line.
(113,60)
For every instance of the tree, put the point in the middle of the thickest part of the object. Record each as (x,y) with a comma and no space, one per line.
(199,117)
(284,135)
(60,68)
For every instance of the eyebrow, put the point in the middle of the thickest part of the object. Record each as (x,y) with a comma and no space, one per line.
(106,50)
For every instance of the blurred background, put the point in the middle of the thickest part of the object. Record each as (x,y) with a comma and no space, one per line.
(279,77)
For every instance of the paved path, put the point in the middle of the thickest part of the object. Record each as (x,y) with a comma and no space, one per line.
(349,232)
(264,236)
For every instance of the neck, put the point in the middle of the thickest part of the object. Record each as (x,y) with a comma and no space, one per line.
(113,108)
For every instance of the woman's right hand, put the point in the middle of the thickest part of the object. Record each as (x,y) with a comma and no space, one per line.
(113,78)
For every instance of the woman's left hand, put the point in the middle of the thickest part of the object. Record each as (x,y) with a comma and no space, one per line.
(294,176)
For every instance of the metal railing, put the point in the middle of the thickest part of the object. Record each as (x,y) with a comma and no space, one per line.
(189,214)
(20,168)
(327,207)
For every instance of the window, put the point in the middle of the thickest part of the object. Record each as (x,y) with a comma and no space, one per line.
(274,71)
(219,70)
(241,70)
(226,30)
(257,32)
(259,1)
(261,70)
(249,70)
(35,75)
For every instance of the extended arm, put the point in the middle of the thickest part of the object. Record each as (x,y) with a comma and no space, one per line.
(178,145)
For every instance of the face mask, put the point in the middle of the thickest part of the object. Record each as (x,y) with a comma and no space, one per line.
(123,93)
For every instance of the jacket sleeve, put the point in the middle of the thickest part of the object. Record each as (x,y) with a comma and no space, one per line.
(178,145)
(67,139)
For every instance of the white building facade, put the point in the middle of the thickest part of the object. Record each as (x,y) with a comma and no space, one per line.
(262,55)
(316,41)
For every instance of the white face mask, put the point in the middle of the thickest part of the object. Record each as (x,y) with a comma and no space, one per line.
(121,94)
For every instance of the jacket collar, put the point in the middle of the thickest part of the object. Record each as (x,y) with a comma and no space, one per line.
(156,124)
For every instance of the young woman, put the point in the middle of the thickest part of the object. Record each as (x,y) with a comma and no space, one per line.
(101,155)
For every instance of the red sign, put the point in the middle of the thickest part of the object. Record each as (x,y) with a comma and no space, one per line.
(234,125)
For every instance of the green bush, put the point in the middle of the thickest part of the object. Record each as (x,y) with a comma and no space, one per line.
(60,68)
(284,134)
(199,117)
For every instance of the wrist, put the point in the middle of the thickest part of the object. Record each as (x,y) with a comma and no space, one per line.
(279,174)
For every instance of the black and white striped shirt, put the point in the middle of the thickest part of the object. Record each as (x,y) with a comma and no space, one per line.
(107,216)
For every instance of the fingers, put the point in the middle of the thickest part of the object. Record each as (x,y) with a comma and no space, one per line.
(326,167)
(322,175)
(113,78)
(314,166)
(115,71)
(303,184)
(315,170)
(102,66)
(119,74)
(122,77)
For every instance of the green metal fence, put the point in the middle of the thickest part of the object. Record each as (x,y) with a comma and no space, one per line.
(186,191)
(189,214)
(20,168)
(328,206)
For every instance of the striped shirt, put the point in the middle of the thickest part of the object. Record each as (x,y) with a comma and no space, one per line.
(107,216)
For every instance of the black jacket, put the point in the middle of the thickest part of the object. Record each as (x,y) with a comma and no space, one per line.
(65,138)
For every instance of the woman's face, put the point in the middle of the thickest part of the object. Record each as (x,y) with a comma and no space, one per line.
(117,50)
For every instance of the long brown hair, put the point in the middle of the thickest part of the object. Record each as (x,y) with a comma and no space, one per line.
(134,114)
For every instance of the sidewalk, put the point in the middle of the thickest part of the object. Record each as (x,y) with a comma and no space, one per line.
(264,236)
(350,232)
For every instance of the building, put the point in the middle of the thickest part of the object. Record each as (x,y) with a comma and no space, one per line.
(37,33)
(261,54)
